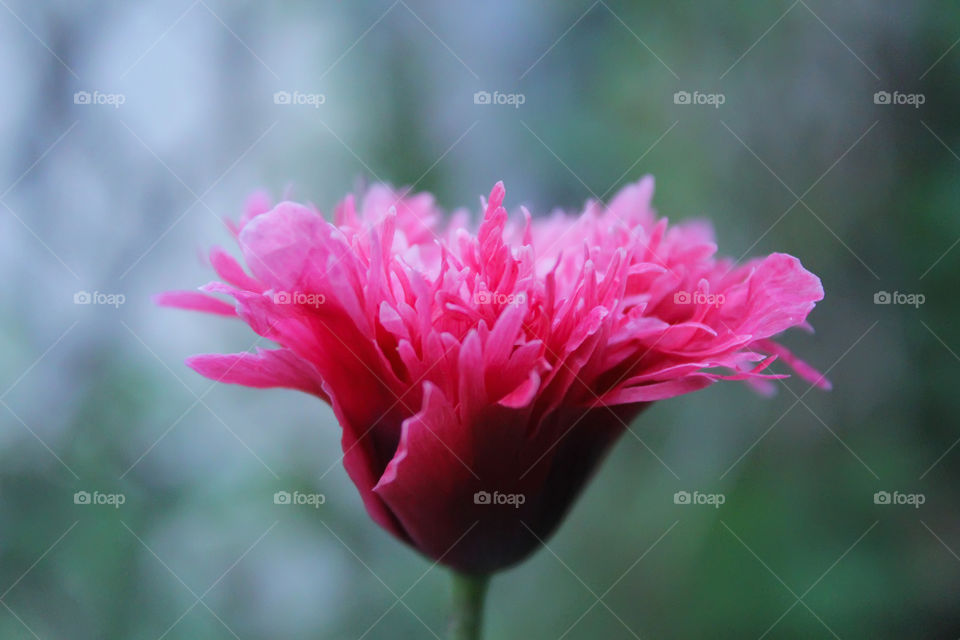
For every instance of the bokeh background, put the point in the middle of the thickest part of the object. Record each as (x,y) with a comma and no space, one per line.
(123,199)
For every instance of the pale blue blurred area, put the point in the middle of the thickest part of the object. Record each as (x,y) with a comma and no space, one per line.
(126,201)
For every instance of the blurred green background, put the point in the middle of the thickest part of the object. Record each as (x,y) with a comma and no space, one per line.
(800,158)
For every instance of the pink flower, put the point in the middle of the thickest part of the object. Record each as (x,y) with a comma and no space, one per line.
(479,378)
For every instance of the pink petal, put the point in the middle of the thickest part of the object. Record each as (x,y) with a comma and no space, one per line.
(264,369)
(194,301)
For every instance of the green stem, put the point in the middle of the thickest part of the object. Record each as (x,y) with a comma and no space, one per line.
(467,615)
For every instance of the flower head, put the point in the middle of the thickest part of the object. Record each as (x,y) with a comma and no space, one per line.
(479,377)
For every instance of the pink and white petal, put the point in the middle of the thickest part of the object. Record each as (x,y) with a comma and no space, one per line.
(286,246)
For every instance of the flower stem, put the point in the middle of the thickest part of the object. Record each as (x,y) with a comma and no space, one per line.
(466,618)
